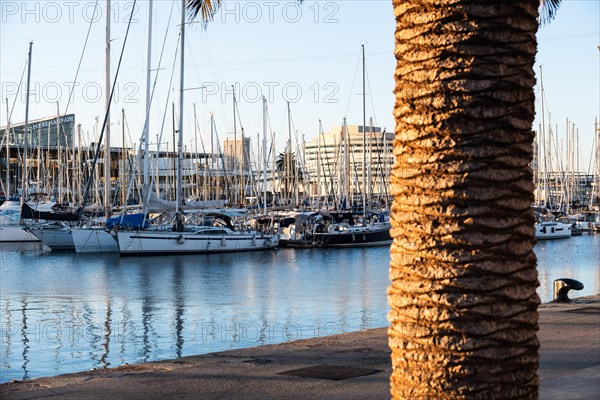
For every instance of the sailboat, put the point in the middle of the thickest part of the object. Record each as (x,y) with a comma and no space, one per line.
(370,230)
(60,236)
(11,228)
(100,238)
(216,233)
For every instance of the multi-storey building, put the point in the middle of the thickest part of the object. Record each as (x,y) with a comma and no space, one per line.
(335,163)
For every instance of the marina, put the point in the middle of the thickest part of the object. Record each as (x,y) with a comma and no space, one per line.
(196,201)
(64,312)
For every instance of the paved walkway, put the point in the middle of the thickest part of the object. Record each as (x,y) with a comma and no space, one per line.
(349,366)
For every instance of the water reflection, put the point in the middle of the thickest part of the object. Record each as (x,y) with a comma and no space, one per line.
(179,304)
(24,339)
(148,331)
(66,312)
(106,338)
(577,258)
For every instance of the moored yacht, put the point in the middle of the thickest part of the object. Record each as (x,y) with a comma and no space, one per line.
(11,229)
(342,229)
(102,237)
(94,240)
(552,230)
(56,235)
(377,234)
(215,235)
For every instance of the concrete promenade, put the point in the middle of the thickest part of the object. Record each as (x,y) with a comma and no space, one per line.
(348,366)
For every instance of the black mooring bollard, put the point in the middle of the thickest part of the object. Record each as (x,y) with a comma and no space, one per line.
(562,287)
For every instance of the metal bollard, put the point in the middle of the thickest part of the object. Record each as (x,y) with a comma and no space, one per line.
(562,287)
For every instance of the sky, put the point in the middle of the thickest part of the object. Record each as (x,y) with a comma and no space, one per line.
(309,56)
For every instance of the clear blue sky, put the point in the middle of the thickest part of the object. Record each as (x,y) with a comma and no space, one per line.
(307,55)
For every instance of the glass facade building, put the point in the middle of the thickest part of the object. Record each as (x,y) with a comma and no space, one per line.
(44,132)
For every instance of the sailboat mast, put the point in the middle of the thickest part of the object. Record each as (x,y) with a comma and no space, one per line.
(107,104)
(242,166)
(319,166)
(212,185)
(7,138)
(364,146)
(123,168)
(79,160)
(58,155)
(370,165)
(234,149)
(265,154)
(173,160)
(196,158)
(73,168)
(242,151)
(24,173)
(180,136)
(596,182)
(48,179)
(297,166)
(346,171)
(546,170)
(38,153)
(147,121)
(288,167)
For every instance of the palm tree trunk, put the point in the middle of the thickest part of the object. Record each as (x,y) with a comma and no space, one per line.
(463,293)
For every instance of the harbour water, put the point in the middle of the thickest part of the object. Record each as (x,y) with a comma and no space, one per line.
(63,312)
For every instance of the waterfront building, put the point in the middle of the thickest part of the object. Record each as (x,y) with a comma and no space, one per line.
(236,152)
(44,140)
(334,163)
(566,191)
(47,132)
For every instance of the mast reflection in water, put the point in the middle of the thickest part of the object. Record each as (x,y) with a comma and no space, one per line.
(63,312)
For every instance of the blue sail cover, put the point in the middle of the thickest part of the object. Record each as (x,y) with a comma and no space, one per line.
(127,221)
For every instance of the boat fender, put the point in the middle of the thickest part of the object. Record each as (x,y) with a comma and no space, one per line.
(253,240)
(180,239)
(209,246)
(268,242)
(223,242)
(590,225)
(353,238)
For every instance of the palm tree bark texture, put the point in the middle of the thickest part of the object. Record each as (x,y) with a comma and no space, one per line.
(463,273)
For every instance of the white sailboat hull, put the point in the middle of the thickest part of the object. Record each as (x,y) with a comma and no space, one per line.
(56,239)
(166,242)
(93,241)
(16,233)
(10,228)
(552,230)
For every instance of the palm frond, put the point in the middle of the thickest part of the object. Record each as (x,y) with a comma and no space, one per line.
(548,10)
(205,10)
